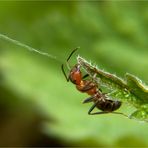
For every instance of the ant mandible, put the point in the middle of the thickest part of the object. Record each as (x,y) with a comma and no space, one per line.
(91,88)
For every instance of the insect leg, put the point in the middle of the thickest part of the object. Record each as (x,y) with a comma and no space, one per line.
(85,76)
(100,89)
(88,86)
(105,112)
(98,113)
(91,109)
(90,99)
(119,113)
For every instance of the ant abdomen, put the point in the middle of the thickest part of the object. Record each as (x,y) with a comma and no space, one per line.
(108,105)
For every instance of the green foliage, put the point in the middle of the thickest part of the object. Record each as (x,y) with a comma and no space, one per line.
(131,91)
(113,34)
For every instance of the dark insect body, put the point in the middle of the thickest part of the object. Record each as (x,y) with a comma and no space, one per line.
(91,88)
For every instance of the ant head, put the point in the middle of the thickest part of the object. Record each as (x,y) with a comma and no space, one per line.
(75,75)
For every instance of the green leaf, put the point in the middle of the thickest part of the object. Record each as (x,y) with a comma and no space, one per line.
(131,90)
(104,31)
(137,88)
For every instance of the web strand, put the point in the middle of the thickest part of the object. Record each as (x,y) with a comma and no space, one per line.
(2,36)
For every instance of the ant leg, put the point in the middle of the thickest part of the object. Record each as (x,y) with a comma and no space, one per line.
(90,99)
(119,113)
(105,112)
(100,89)
(91,109)
(93,106)
(94,78)
(62,67)
(99,113)
(85,76)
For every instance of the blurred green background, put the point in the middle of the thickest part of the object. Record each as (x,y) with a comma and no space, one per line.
(37,106)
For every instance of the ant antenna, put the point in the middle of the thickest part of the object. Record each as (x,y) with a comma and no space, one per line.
(68,65)
(72,53)
(62,67)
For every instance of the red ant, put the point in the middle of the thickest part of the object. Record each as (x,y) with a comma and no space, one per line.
(91,88)
(75,76)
